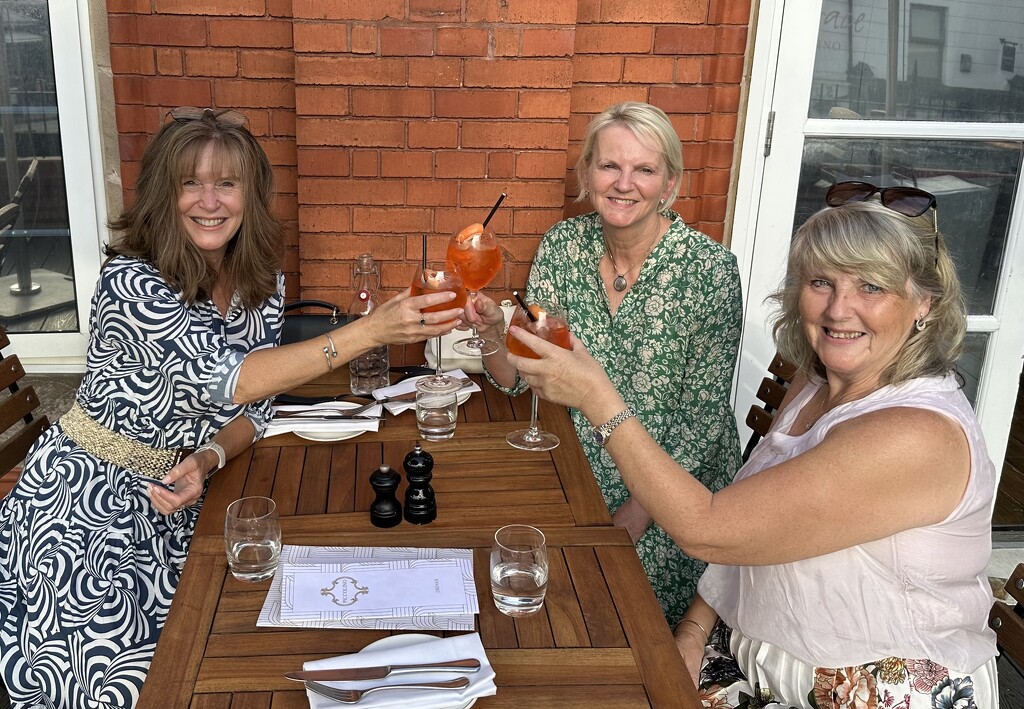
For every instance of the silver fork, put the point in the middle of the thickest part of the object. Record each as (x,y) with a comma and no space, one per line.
(351,696)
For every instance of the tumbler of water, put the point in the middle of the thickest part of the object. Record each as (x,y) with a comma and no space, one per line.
(437,406)
(252,537)
(519,570)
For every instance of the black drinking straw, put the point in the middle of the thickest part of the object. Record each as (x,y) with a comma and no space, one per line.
(522,303)
(424,262)
(494,208)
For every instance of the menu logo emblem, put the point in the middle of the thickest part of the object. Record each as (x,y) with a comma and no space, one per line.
(348,588)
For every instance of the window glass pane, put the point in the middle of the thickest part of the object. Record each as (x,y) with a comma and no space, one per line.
(36,279)
(971,362)
(954,62)
(973,183)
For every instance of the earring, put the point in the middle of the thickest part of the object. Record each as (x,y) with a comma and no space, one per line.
(661,201)
(920,325)
(584,193)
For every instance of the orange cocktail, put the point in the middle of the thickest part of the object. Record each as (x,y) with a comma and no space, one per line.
(438,278)
(475,251)
(549,327)
(547,323)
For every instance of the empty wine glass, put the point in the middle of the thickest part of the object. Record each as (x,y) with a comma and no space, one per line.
(439,277)
(475,251)
(547,321)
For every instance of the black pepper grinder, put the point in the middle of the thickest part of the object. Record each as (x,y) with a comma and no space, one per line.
(386,510)
(420,503)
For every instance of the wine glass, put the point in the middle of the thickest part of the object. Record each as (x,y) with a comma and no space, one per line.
(475,251)
(438,277)
(548,322)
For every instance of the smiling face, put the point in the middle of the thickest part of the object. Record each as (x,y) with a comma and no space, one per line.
(211,203)
(626,179)
(856,328)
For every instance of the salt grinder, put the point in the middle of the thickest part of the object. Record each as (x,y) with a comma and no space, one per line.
(386,510)
(420,503)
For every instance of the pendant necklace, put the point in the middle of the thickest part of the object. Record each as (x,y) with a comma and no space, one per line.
(619,283)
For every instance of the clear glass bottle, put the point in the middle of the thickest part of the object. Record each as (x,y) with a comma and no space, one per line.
(369,370)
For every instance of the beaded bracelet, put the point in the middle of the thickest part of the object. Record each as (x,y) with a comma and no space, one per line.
(690,620)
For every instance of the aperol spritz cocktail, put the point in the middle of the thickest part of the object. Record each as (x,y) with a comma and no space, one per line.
(476,252)
(438,277)
(549,323)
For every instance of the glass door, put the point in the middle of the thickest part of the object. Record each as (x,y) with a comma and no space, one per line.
(48,235)
(900,93)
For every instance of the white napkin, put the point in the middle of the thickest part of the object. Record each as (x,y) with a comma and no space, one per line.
(409,385)
(481,682)
(324,427)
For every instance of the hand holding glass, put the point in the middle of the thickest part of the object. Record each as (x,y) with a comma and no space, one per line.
(438,277)
(550,325)
(475,251)
(252,537)
(519,570)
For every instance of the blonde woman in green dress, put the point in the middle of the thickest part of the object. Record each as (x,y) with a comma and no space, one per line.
(657,303)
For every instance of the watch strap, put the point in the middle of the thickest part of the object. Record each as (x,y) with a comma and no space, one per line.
(219,450)
(604,430)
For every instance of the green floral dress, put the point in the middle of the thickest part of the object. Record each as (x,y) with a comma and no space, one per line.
(670,350)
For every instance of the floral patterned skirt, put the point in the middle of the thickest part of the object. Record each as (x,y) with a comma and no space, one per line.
(740,673)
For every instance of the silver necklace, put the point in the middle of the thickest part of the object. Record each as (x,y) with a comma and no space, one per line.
(619,283)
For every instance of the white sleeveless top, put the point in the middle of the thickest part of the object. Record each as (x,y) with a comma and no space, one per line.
(921,594)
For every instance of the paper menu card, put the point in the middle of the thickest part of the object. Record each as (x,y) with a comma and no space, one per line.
(452,609)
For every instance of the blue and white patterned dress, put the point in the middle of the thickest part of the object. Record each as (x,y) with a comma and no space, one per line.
(88,566)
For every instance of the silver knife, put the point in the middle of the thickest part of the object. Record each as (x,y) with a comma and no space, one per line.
(470,664)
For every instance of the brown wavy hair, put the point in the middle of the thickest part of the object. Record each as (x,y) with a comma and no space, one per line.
(886,248)
(151,228)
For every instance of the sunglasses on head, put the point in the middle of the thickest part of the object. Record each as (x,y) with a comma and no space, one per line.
(908,201)
(225,116)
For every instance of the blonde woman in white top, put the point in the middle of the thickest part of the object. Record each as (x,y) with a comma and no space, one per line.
(848,557)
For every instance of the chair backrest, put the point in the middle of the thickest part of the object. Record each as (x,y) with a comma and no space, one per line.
(16,412)
(1008,622)
(771,392)
(26,181)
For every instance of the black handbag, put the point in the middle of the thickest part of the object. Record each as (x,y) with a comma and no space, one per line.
(304,326)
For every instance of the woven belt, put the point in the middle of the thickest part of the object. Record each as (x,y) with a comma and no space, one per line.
(101,442)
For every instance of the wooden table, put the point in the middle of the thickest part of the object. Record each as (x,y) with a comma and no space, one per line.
(601,640)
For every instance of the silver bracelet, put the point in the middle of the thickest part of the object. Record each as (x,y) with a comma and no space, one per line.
(334,350)
(327,356)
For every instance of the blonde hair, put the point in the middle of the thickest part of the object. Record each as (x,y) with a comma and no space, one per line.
(151,228)
(886,248)
(649,124)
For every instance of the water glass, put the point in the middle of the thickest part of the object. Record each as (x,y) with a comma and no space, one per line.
(519,570)
(437,407)
(252,537)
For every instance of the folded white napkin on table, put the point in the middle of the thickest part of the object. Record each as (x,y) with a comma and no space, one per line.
(325,426)
(409,385)
(481,682)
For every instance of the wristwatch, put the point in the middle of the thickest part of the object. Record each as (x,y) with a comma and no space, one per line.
(601,433)
(217,448)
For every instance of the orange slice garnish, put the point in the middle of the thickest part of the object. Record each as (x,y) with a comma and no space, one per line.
(469,232)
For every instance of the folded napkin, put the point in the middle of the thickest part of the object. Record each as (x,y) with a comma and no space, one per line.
(409,385)
(481,682)
(324,427)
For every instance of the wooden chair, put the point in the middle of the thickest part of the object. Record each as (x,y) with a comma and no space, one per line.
(16,418)
(1008,622)
(771,393)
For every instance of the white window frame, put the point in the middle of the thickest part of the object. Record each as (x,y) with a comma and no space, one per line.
(74,74)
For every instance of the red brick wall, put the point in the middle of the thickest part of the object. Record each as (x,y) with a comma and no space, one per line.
(387,119)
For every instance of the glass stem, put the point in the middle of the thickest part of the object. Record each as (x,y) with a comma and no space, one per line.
(532,434)
(437,366)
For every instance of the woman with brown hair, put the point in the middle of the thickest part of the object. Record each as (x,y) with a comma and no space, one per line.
(182,361)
